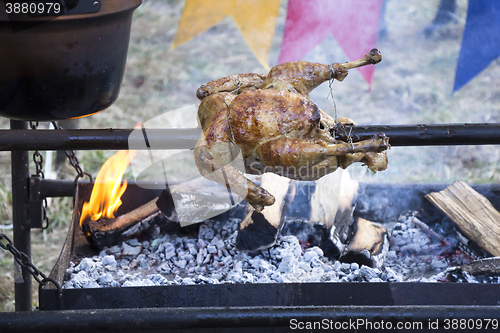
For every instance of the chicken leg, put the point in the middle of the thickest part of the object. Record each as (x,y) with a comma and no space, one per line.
(302,77)
(307,160)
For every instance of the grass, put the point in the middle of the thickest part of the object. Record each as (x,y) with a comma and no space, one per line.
(413,84)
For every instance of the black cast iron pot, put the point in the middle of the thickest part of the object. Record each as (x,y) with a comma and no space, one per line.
(62,66)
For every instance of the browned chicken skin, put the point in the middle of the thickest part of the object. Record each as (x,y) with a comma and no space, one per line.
(276,127)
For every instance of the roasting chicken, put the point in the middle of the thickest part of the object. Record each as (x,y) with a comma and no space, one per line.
(273,125)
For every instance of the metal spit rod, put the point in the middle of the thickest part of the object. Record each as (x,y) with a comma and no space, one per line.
(120,139)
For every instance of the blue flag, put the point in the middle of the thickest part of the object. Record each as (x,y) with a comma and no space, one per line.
(481,40)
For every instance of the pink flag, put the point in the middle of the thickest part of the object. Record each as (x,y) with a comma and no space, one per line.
(353,23)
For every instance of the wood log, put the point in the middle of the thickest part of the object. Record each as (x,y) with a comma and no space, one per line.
(369,244)
(105,232)
(482,266)
(260,230)
(332,204)
(474,215)
(475,271)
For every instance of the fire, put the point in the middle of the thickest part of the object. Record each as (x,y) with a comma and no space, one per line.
(108,188)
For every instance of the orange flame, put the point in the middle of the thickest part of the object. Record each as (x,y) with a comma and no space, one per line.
(108,188)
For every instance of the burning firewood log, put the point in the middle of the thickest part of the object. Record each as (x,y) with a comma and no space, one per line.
(332,204)
(260,230)
(369,244)
(484,270)
(474,215)
(257,230)
(105,232)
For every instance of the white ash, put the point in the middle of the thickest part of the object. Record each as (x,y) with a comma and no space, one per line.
(418,254)
(210,257)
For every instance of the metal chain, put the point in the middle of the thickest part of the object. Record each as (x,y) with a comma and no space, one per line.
(38,159)
(73,160)
(24,261)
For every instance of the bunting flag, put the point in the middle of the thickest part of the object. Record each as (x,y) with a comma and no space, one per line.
(353,23)
(256,20)
(481,40)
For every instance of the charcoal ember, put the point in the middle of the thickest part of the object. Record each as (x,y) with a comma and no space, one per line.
(369,273)
(277,277)
(206,232)
(287,245)
(313,253)
(133,242)
(260,265)
(311,234)
(115,249)
(92,284)
(210,257)
(142,260)
(418,252)
(235,277)
(391,276)
(109,260)
(106,279)
(164,268)
(131,250)
(200,279)
(133,264)
(158,279)
(86,265)
(78,280)
(264,279)
(202,252)
(192,248)
(248,277)
(211,249)
(376,279)
(169,252)
(124,264)
(207,259)
(153,259)
(188,281)
(138,283)
(129,277)
(287,264)
(304,266)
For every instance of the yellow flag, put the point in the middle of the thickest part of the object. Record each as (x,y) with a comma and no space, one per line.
(256,20)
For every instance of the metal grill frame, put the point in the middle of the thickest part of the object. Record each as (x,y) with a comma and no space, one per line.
(19,140)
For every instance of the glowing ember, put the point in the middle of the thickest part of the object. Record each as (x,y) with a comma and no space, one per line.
(108,188)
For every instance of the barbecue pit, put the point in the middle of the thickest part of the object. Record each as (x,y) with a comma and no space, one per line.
(226,306)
